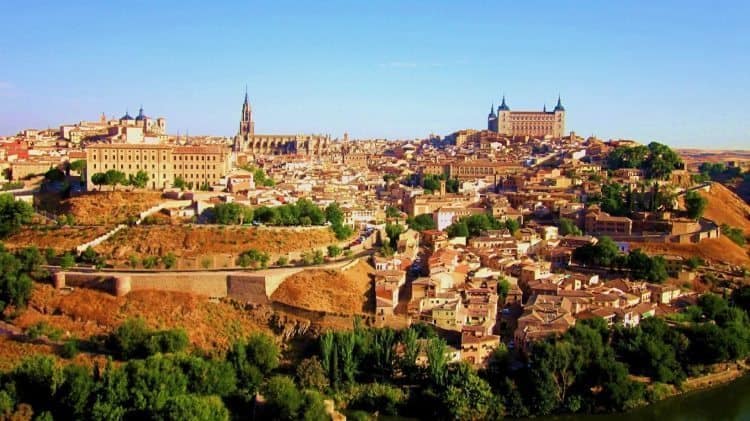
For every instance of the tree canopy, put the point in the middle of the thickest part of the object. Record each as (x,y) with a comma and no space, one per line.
(13,214)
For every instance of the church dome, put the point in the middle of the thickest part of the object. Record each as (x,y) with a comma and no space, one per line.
(141,116)
(127,116)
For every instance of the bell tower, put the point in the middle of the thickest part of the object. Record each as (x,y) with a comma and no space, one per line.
(247,126)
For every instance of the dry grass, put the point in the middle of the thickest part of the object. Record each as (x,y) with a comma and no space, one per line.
(725,207)
(59,239)
(84,313)
(196,241)
(102,208)
(330,291)
(721,250)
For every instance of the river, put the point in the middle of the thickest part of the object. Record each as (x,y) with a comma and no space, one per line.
(730,401)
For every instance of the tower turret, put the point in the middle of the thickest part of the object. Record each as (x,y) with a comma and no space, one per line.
(559,106)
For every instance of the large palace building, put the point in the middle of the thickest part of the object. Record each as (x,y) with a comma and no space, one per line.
(275,144)
(527,123)
(197,165)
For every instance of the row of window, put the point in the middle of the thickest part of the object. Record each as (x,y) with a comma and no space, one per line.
(163,157)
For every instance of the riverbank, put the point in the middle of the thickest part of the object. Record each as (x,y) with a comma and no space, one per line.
(727,373)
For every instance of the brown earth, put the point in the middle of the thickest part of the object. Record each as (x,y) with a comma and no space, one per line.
(196,241)
(725,207)
(101,208)
(59,239)
(717,250)
(210,326)
(329,291)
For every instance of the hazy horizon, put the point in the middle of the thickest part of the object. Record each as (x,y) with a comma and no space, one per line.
(669,72)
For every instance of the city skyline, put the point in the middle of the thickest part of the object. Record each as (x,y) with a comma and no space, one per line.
(675,74)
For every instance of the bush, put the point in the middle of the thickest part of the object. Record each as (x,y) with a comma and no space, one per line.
(283,261)
(44,329)
(334,250)
(734,234)
(169,260)
(150,262)
(133,339)
(253,258)
(69,349)
(67,261)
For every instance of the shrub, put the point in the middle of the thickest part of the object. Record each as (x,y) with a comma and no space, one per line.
(67,261)
(334,250)
(283,261)
(206,263)
(150,262)
(169,260)
(69,349)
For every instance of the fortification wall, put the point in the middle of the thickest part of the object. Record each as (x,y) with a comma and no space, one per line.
(209,284)
(247,288)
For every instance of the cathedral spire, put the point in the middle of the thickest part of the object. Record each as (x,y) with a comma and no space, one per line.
(246,100)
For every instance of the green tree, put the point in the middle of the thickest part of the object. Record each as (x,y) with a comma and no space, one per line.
(194,408)
(393,231)
(283,399)
(421,222)
(129,339)
(36,380)
(232,214)
(13,214)
(311,375)
(140,180)
(568,227)
(79,166)
(179,183)
(392,212)
(15,284)
(54,175)
(207,376)
(99,179)
(437,360)
(253,359)
(75,392)
(458,229)
(469,397)
(114,177)
(695,204)
(153,382)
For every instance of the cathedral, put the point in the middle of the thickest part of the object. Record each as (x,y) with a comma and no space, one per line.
(527,123)
(276,144)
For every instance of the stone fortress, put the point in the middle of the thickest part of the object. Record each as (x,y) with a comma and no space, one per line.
(527,123)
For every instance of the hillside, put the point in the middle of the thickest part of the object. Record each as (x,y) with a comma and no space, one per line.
(720,250)
(85,312)
(59,239)
(330,291)
(196,241)
(101,208)
(725,207)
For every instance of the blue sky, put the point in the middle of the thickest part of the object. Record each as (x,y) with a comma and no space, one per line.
(677,72)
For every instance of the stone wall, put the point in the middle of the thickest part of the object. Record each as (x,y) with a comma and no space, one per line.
(247,288)
(208,284)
